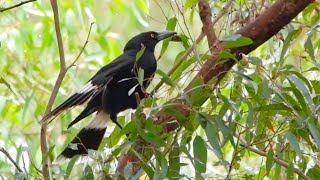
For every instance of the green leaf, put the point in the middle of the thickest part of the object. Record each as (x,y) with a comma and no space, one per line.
(71,165)
(140,53)
(314,172)
(88,173)
(255,61)
(314,132)
(301,86)
(200,154)
(225,55)
(152,138)
(143,162)
(171,25)
(3,81)
(182,66)
(165,78)
(309,47)
(213,138)
(189,4)
(269,161)
(290,172)
(303,78)
(293,34)
(174,162)
(237,40)
(294,143)
(141,76)
(273,107)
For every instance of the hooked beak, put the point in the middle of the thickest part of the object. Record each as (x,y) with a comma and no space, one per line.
(161,35)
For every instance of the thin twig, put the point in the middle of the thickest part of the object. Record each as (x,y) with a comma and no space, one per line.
(10,158)
(16,5)
(279,161)
(83,47)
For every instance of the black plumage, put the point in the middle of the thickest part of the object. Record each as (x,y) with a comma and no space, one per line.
(111,90)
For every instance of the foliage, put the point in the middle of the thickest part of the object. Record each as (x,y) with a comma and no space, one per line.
(271,98)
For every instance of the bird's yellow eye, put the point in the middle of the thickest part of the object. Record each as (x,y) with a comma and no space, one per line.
(152,35)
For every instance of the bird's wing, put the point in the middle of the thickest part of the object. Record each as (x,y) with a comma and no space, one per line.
(95,85)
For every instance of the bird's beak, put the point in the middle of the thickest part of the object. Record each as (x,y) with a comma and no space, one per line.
(161,35)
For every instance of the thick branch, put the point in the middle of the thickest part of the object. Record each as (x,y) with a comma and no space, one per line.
(206,18)
(268,24)
(16,5)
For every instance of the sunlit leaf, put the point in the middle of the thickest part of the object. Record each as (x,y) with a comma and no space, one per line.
(236,41)
(171,24)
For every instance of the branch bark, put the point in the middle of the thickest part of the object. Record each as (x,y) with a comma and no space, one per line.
(268,24)
(206,18)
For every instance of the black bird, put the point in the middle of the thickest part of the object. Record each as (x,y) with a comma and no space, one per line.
(114,88)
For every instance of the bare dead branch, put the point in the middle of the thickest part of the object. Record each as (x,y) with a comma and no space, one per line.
(16,5)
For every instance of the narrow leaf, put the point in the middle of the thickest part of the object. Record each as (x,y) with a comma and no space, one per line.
(140,53)
(294,143)
(269,161)
(200,154)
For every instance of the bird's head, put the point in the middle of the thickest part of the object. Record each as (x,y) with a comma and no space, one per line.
(147,39)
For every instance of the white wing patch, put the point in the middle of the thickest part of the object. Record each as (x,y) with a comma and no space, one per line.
(100,121)
(87,88)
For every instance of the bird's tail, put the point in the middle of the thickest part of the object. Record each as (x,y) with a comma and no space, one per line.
(89,137)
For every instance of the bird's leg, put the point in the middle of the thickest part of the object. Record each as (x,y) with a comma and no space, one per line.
(113,118)
(138,99)
(147,95)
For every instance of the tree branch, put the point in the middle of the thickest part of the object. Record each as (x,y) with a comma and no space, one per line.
(17,5)
(275,158)
(206,18)
(43,135)
(11,159)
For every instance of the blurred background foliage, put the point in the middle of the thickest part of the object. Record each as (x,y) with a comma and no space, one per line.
(271,98)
